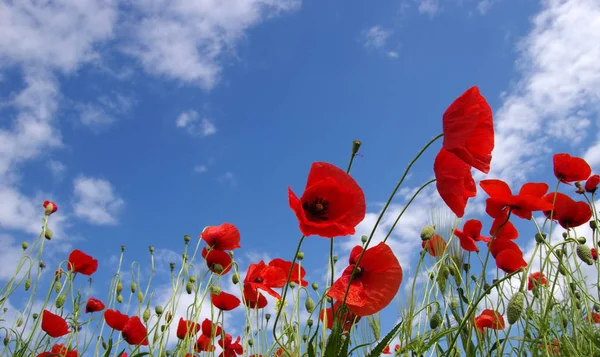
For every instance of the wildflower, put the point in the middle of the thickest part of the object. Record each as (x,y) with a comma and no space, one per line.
(59,350)
(522,205)
(230,349)
(223,237)
(454,181)
(346,321)
(594,317)
(264,277)
(210,329)
(187,329)
(332,203)
(386,350)
(569,168)
(434,246)
(253,299)
(591,184)
(79,262)
(54,325)
(94,305)
(298,272)
(375,282)
(502,227)
(536,279)
(224,301)
(489,319)
(49,207)
(470,234)
(115,319)
(134,332)
(515,307)
(553,348)
(594,253)
(567,212)
(218,261)
(508,255)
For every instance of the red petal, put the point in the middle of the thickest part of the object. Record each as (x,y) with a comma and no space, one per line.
(510,260)
(225,301)
(134,332)
(223,237)
(54,325)
(453,181)
(569,168)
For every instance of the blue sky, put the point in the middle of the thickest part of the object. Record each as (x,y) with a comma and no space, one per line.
(146,122)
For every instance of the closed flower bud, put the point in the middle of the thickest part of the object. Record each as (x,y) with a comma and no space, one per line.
(122,248)
(309,304)
(133,288)
(309,322)
(593,224)
(187,238)
(355,146)
(192,279)
(140,297)
(315,286)
(27,284)
(594,254)
(454,304)
(596,307)
(565,235)
(49,207)
(119,298)
(540,238)
(250,342)
(146,315)
(172,266)
(466,267)
(565,321)
(235,278)
(168,317)
(6,340)
(104,344)
(427,232)
(151,249)
(60,300)
(592,183)
(444,272)
(47,233)
(159,310)
(515,307)
(24,245)
(215,290)
(19,322)
(300,255)
(578,304)
(119,287)
(184,257)
(35,316)
(584,253)
(435,321)
(292,284)
(189,287)
(562,270)
(581,240)
(57,287)
(268,317)
(335,259)
(364,239)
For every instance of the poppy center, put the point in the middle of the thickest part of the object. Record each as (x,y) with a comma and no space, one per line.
(317,209)
(258,280)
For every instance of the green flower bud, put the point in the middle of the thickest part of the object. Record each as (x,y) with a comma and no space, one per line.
(184,257)
(335,259)
(133,287)
(6,340)
(122,248)
(300,255)
(187,238)
(215,290)
(565,235)
(217,268)
(454,304)
(594,224)
(578,304)
(119,298)
(189,287)
(172,266)
(435,320)
(41,265)
(47,233)
(355,146)
(24,245)
(596,307)
(168,317)
(427,232)
(309,322)
(35,315)
(466,267)
(60,300)
(268,317)
(250,342)
(581,240)
(444,272)
(140,297)
(540,238)
(364,239)
(562,270)
(19,322)
(27,284)
(565,321)
(515,307)
(104,345)
(292,284)
(146,315)
(315,286)
(57,287)
(151,249)
(192,279)
(119,287)
(159,310)
(309,304)
(585,254)
(235,278)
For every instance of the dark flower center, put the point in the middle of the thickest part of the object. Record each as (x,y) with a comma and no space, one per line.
(258,280)
(317,209)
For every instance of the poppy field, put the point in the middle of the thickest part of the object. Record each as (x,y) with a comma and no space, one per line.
(475,290)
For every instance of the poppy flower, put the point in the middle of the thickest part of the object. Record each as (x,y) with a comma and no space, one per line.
(435,246)
(223,237)
(386,350)
(224,301)
(536,279)
(592,183)
(49,207)
(470,234)
(332,204)
(59,350)
(569,168)
(502,227)
(500,244)
(115,319)
(79,262)
(187,329)
(54,325)
(454,181)
(230,349)
(397,348)
(567,212)
(522,205)
(594,253)
(218,261)
(489,319)
(510,260)
(348,320)
(134,332)
(553,348)
(94,305)
(254,299)
(375,283)
(595,317)
(264,277)
(298,272)
(203,344)
(210,329)
(469,130)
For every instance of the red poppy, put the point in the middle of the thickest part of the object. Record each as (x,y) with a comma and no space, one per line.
(223,237)
(253,299)
(54,325)
(569,168)
(94,305)
(187,329)
(59,350)
(500,244)
(435,246)
(115,319)
(592,183)
(134,332)
(225,301)
(386,350)
(230,349)
(79,262)
(454,181)
(376,282)
(397,348)
(298,272)
(264,277)
(594,253)
(567,212)
(49,207)
(522,205)
(470,234)
(553,348)
(489,319)
(348,320)
(503,228)
(210,329)
(469,130)
(203,344)
(536,279)
(510,260)
(332,203)
(594,318)
(218,261)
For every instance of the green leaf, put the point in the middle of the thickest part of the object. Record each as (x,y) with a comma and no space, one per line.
(376,352)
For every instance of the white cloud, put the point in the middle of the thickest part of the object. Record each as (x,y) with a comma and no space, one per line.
(57,168)
(186,40)
(191,121)
(430,7)
(375,37)
(484,5)
(9,256)
(560,78)
(94,116)
(200,168)
(227,177)
(96,201)
(392,54)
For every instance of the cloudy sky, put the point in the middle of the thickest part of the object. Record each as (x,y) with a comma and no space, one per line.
(148,120)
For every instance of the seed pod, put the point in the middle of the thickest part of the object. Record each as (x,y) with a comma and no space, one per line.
(267,316)
(435,320)
(119,298)
(192,279)
(427,232)
(585,254)
(250,342)
(186,238)
(364,239)
(292,284)
(27,284)
(133,287)
(309,304)
(515,307)
(60,300)
(189,287)
(146,315)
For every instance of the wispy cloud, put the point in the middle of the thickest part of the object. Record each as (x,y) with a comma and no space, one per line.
(96,201)
(57,168)
(228,177)
(430,7)
(375,37)
(200,168)
(193,124)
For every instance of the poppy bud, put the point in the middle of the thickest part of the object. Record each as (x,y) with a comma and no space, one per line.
(268,317)
(466,267)
(192,279)
(104,344)
(562,270)
(473,277)
(168,353)
(454,304)
(133,287)
(309,322)
(300,255)
(47,233)
(140,297)
(122,248)
(57,287)
(315,286)
(250,342)
(19,322)
(119,298)
(436,320)
(217,268)
(231,253)
(6,340)
(585,254)
(49,207)
(159,310)
(215,290)
(573,287)
(187,238)
(578,304)
(427,232)
(581,240)
(119,287)
(592,183)
(364,239)
(172,266)
(168,317)
(309,304)
(596,307)
(565,321)
(540,238)
(515,307)
(189,287)
(355,146)
(594,224)
(24,245)
(335,259)
(60,300)
(27,284)
(151,249)
(580,189)
(292,284)
(235,278)
(146,315)
(594,253)
(565,235)
(444,272)
(35,316)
